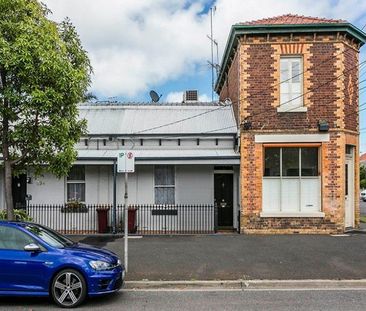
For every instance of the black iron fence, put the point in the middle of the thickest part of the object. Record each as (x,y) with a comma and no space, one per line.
(143,219)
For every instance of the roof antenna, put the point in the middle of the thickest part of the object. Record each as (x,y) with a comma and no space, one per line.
(154,96)
(215,67)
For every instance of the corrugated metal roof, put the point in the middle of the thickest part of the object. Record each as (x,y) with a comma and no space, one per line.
(151,119)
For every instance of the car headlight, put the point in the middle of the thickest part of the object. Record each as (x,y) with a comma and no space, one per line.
(100,265)
(119,262)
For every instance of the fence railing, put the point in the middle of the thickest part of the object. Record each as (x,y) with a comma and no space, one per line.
(143,219)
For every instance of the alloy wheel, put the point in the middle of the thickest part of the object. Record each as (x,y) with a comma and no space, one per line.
(68,289)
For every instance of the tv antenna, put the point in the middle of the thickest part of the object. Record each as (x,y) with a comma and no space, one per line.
(154,96)
(214,65)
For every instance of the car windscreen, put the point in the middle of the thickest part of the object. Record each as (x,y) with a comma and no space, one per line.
(50,237)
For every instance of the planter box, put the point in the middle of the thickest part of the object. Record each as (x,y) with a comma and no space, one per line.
(81,209)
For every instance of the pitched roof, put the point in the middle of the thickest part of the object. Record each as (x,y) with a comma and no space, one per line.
(293,19)
(363,157)
(134,119)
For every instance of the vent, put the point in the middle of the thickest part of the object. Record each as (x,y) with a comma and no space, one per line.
(190,96)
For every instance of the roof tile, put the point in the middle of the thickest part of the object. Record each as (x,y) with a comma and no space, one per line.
(293,19)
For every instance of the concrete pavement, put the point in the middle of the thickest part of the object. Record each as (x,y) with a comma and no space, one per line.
(245,257)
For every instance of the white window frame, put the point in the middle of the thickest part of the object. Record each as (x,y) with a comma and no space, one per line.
(298,213)
(287,107)
(166,186)
(67,181)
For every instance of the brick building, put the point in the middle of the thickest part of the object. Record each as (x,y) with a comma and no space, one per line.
(293,82)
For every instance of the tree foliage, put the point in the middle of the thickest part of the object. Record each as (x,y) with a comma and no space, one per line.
(44,73)
(363,177)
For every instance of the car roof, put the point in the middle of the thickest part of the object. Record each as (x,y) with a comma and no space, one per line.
(15,223)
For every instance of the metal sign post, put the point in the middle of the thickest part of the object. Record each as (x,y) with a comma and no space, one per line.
(126,164)
(126,221)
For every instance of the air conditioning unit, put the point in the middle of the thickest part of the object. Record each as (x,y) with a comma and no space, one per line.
(190,96)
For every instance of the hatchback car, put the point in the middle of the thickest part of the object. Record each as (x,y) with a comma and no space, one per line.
(37,261)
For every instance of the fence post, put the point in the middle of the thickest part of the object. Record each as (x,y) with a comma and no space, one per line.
(65,213)
(216,217)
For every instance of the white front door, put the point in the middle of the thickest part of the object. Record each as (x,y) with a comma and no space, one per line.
(349,219)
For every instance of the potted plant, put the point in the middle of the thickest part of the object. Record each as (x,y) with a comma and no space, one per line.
(74,206)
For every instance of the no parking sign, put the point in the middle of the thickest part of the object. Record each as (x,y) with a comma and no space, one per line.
(126,161)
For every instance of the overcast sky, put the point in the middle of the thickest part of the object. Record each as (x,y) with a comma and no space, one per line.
(139,45)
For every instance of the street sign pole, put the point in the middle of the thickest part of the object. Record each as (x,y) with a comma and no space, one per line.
(126,221)
(126,164)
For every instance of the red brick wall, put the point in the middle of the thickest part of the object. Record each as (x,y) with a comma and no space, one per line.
(230,88)
(258,85)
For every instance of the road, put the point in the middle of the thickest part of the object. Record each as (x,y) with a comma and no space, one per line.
(363,208)
(280,300)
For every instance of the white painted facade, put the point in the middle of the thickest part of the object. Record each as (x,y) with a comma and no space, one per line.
(195,149)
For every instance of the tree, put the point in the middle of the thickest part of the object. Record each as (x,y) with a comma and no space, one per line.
(44,73)
(363,177)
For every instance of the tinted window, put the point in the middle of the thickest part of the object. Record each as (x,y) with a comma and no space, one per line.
(13,238)
(272,162)
(290,161)
(309,162)
(50,237)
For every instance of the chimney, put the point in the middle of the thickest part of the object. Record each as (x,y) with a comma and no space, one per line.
(190,96)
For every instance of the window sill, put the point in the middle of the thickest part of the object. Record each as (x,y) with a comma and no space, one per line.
(298,109)
(294,214)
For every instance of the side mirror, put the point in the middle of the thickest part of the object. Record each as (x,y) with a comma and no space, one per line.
(32,248)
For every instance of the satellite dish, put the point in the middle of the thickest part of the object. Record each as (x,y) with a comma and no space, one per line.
(154,96)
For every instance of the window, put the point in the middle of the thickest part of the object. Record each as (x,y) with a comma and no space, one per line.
(291,180)
(291,83)
(49,236)
(76,184)
(12,238)
(164,177)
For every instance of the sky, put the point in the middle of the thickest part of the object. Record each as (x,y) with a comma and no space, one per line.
(140,45)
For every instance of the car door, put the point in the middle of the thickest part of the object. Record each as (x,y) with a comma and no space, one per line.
(21,270)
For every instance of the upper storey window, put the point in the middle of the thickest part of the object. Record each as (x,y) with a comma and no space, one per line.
(291,87)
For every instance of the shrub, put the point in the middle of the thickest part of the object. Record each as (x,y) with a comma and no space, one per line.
(19,214)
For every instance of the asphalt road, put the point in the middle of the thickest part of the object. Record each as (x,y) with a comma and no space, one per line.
(210,300)
(363,208)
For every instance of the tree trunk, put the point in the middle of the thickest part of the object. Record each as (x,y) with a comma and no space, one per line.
(8,178)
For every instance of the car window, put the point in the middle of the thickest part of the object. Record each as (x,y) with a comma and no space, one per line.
(50,237)
(13,238)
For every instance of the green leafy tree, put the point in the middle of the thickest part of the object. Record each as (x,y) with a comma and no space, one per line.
(44,73)
(363,177)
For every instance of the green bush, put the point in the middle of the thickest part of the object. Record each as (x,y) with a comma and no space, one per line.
(19,214)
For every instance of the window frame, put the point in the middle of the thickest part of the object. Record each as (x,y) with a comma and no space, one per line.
(298,213)
(166,186)
(69,181)
(302,107)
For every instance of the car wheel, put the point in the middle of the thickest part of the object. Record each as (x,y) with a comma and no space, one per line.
(68,288)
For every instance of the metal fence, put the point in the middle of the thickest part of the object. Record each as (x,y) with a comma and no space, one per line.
(143,219)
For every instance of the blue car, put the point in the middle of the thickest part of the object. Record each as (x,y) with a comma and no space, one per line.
(37,261)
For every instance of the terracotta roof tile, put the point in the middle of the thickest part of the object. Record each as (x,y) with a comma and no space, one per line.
(363,158)
(293,19)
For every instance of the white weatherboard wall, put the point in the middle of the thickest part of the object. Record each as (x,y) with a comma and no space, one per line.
(47,190)
(194,185)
